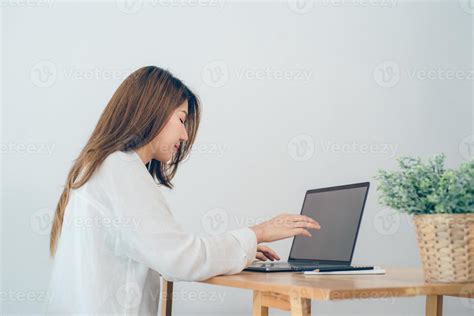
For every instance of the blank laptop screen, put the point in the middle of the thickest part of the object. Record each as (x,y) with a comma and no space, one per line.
(339,212)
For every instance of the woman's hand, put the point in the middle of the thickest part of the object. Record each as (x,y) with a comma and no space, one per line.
(264,253)
(284,226)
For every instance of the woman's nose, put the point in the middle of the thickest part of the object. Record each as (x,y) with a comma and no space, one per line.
(184,136)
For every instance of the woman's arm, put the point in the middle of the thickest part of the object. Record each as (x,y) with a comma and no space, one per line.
(156,239)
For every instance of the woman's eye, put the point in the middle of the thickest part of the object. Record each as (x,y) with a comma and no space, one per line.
(181,121)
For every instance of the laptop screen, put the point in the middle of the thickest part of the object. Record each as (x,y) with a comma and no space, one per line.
(339,211)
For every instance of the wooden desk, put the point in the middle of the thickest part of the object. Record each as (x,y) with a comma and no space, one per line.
(294,291)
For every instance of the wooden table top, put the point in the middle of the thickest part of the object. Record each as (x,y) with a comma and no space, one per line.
(395,282)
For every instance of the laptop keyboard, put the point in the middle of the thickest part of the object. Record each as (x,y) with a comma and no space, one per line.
(286,264)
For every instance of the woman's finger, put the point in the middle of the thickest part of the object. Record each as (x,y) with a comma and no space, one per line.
(301,231)
(260,256)
(268,251)
(302,224)
(299,218)
(305,218)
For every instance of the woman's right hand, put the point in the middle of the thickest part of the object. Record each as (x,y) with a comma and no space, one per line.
(284,226)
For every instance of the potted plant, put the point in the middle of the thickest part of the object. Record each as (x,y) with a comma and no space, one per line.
(442,204)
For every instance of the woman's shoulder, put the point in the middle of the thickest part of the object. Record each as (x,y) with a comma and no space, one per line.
(115,168)
(121,159)
(122,167)
(121,163)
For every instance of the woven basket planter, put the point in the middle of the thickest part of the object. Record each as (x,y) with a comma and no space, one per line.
(446,244)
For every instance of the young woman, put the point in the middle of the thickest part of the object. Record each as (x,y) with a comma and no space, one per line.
(113,233)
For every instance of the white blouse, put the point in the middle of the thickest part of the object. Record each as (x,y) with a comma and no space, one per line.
(119,236)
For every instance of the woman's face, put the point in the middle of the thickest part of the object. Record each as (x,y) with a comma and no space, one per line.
(167,142)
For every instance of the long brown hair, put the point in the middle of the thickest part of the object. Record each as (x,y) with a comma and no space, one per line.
(136,113)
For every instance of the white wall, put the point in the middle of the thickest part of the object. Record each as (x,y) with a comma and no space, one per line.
(62,62)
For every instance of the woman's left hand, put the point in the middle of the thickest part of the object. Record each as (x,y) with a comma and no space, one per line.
(264,253)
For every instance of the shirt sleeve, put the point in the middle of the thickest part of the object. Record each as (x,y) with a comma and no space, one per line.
(156,239)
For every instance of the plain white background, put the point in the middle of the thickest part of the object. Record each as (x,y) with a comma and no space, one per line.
(295,95)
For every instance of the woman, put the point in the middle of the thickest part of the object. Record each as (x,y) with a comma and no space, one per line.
(113,233)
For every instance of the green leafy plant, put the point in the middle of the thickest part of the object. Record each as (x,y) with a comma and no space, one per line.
(428,188)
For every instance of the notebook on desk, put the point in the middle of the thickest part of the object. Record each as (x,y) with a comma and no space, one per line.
(339,212)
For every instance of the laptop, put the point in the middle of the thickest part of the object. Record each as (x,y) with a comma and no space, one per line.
(339,212)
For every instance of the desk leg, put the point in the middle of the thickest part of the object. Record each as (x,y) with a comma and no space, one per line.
(166,298)
(300,306)
(434,305)
(258,308)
